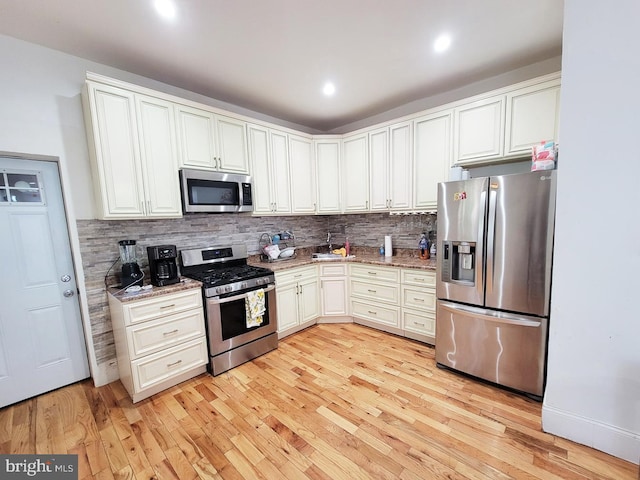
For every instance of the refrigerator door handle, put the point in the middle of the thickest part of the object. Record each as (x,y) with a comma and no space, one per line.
(491,316)
(491,235)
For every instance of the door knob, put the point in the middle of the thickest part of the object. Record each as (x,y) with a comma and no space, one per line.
(65,278)
(68,293)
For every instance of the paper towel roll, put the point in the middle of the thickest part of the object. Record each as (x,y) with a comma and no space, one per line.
(388,249)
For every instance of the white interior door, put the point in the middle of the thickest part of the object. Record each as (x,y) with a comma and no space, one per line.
(42,344)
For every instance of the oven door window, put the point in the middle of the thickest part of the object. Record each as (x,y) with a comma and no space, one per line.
(211,192)
(234,318)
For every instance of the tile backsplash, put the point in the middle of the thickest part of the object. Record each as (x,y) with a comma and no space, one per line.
(99,245)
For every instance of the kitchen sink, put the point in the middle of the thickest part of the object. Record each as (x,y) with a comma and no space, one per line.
(329,256)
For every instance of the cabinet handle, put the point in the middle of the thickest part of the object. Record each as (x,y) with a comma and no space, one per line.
(371,291)
(417,323)
(372,313)
(372,273)
(416,279)
(366,204)
(297,276)
(168,306)
(418,299)
(174,363)
(172,332)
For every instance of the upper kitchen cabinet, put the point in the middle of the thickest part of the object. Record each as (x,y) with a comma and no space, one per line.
(269,154)
(479,130)
(432,158)
(133,153)
(532,117)
(211,142)
(327,156)
(355,173)
(390,152)
(508,123)
(303,178)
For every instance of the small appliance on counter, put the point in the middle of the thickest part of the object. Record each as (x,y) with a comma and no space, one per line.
(131,273)
(162,265)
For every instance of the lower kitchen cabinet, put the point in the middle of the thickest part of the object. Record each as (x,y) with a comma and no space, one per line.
(334,292)
(375,297)
(419,305)
(297,297)
(160,340)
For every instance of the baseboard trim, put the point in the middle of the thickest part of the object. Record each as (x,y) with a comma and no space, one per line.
(607,438)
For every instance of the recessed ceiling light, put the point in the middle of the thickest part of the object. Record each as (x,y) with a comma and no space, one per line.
(442,43)
(329,89)
(165,8)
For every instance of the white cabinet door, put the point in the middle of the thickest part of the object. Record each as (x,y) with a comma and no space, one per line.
(355,178)
(158,152)
(309,305)
(287,300)
(196,136)
(335,301)
(532,117)
(479,130)
(259,154)
(232,145)
(303,182)
(432,160)
(379,168)
(116,155)
(327,153)
(400,165)
(281,193)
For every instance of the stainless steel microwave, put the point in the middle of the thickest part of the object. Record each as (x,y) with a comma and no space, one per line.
(215,192)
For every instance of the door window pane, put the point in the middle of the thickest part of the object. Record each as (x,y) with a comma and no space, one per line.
(20,187)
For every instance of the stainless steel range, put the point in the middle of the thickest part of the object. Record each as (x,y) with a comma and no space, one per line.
(240,304)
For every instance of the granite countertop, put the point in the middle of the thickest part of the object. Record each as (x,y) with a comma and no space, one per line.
(403,259)
(184,284)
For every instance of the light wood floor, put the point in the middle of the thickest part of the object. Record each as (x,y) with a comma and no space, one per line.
(333,402)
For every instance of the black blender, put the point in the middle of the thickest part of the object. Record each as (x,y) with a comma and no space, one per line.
(131,273)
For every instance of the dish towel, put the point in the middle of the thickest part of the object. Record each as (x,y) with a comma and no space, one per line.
(254,306)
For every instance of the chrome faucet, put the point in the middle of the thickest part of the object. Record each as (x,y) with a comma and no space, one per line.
(329,241)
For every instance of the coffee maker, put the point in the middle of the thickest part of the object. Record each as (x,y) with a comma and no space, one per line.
(162,265)
(131,274)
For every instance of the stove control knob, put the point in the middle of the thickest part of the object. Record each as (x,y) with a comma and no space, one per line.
(227,288)
(244,285)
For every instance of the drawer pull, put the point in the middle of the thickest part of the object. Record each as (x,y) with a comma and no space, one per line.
(168,306)
(418,299)
(373,313)
(371,291)
(297,276)
(416,279)
(417,323)
(172,332)
(372,273)
(169,365)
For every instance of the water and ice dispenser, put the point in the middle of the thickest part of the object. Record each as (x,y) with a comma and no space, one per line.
(459,262)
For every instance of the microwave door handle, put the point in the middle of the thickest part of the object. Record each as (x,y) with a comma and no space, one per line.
(217,301)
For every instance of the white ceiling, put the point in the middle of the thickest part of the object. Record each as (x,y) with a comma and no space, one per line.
(273,56)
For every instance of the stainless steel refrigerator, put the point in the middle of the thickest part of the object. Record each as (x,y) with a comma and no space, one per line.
(495,247)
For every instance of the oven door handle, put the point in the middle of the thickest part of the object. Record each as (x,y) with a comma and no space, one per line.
(217,301)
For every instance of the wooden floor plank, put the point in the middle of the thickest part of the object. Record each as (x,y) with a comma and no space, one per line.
(335,401)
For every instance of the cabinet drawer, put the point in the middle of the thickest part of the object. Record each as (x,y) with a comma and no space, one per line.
(295,275)
(420,298)
(386,315)
(143,310)
(375,291)
(423,323)
(333,270)
(158,367)
(149,337)
(419,277)
(379,274)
